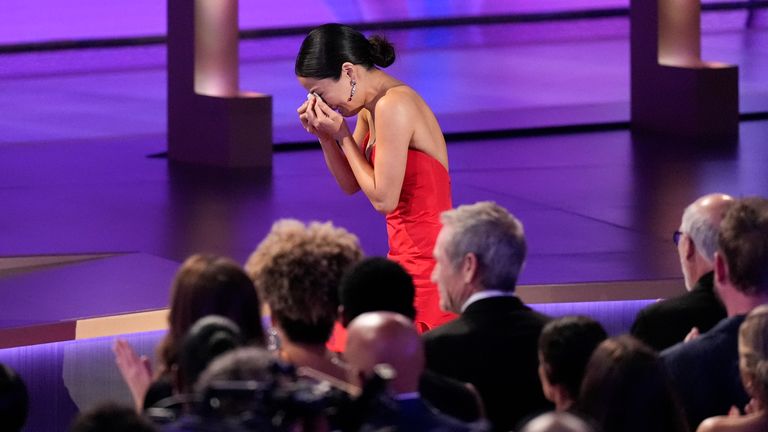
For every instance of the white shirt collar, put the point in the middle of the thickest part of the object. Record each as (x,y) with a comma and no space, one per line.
(484,294)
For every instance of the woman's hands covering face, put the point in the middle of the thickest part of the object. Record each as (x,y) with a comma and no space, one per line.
(320,120)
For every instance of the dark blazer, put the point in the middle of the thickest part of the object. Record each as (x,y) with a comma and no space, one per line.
(493,345)
(705,372)
(667,322)
(450,396)
(415,415)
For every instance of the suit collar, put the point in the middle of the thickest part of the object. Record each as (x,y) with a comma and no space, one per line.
(495,303)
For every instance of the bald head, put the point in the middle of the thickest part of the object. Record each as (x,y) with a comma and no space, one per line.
(386,337)
(700,227)
(557,422)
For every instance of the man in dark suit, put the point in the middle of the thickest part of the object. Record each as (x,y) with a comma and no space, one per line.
(705,370)
(493,344)
(667,322)
(377,338)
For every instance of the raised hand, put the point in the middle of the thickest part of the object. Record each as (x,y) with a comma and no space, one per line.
(136,371)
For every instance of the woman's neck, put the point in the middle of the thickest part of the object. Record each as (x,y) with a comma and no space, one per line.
(313,356)
(378,83)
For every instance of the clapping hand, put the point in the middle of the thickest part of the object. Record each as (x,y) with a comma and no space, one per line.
(136,371)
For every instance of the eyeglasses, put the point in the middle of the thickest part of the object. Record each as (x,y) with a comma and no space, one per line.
(676,237)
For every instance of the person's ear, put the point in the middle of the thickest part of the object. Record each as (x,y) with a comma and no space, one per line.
(721,268)
(348,70)
(469,267)
(689,247)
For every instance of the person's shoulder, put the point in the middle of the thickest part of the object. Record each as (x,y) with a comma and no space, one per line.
(455,328)
(400,98)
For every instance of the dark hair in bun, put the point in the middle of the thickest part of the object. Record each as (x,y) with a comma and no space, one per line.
(329,46)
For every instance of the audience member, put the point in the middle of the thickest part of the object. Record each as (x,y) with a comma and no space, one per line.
(557,422)
(627,389)
(111,417)
(248,389)
(753,363)
(565,346)
(14,400)
(381,285)
(493,344)
(204,285)
(705,371)
(209,337)
(297,269)
(667,322)
(389,338)
(376,284)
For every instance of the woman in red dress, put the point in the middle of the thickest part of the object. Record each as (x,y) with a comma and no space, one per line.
(396,154)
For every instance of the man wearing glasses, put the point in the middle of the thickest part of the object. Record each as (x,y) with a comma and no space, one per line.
(668,322)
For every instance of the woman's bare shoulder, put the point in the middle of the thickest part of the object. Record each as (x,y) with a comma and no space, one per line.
(747,423)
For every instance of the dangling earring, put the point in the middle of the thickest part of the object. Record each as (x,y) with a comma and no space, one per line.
(273,340)
(352,92)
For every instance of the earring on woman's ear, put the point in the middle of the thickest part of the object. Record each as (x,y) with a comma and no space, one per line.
(352,91)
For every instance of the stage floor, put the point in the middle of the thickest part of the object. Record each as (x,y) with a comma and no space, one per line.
(92,226)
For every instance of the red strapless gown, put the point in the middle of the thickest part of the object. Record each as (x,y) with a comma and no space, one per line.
(412,229)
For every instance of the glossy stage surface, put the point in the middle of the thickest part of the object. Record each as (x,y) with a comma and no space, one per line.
(82,188)
(94,222)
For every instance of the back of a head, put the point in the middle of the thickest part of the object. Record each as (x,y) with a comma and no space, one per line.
(14,400)
(626,388)
(701,222)
(557,422)
(211,285)
(743,241)
(241,364)
(111,417)
(753,352)
(327,47)
(208,339)
(565,346)
(385,337)
(494,235)
(297,269)
(377,284)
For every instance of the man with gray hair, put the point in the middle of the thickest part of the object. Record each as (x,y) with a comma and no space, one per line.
(493,343)
(666,323)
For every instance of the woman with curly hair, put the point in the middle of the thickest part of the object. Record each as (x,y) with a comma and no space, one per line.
(297,269)
(753,364)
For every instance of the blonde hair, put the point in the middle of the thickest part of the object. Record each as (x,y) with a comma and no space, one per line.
(753,351)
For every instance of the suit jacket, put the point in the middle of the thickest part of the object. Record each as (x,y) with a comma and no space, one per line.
(493,345)
(667,322)
(705,372)
(414,415)
(450,396)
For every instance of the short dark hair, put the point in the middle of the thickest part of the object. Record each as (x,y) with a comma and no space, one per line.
(565,345)
(377,284)
(14,399)
(329,46)
(111,417)
(743,241)
(209,337)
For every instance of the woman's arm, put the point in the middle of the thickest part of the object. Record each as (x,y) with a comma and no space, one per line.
(383,181)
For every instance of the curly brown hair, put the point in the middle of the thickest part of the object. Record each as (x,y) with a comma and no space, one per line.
(297,269)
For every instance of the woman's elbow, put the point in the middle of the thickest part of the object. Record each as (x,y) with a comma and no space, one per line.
(385,206)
